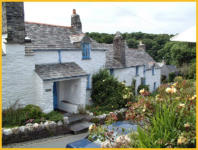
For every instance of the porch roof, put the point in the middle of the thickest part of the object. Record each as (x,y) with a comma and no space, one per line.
(59,71)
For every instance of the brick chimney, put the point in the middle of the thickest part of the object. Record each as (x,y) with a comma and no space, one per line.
(13,21)
(75,21)
(141,46)
(119,48)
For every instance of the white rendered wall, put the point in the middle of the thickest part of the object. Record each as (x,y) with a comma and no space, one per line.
(150,79)
(73,91)
(17,76)
(128,74)
(19,80)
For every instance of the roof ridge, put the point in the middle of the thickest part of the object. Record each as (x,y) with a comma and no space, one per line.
(30,22)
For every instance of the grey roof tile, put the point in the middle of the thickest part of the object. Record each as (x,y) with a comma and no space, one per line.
(59,71)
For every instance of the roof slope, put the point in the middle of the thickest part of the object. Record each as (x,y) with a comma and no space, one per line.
(59,71)
(45,36)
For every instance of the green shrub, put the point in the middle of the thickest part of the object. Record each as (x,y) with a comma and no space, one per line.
(133,85)
(33,111)
(95,120)
(141,86)
(12,117)
(108,92)
(163,79)
(169,118)
(54,116)
(171,77)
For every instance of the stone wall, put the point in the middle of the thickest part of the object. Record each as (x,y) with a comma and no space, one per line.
(13,21)
(34,131)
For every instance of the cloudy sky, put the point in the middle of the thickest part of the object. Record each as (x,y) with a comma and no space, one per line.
(152,17)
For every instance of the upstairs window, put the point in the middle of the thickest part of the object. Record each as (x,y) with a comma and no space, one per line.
(137,70)
(153,70)
(86,51)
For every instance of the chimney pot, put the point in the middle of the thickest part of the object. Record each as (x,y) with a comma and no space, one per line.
(74,11)
(119,48)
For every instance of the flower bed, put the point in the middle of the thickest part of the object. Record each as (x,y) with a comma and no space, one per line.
(166,120)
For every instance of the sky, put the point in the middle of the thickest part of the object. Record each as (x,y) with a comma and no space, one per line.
(109,17)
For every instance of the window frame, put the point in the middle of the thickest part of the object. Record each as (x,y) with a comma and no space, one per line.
(88,82)
(137,70)
(86,48)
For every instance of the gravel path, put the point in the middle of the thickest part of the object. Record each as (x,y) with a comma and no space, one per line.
(51,142)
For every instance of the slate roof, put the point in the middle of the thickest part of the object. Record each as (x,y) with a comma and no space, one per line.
(48,37)
(133,57)
(59,71)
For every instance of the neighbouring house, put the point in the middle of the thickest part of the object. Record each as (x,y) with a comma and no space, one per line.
(167,69)
(52,66)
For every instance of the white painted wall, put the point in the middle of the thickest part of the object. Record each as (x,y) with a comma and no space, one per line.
(17,75)
(150,79)
(20,82)
(128,74)
(73,91)
(91,66)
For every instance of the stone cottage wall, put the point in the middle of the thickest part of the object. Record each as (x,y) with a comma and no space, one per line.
(20,82)
(128,74)
(150,79)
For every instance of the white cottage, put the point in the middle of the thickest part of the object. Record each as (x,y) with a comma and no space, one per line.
(51,66)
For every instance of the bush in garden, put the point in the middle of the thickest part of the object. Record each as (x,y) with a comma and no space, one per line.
(167,120)
(163,79)
(54,116)
(171,77)
(33,111)
(141,86)
(133,85)
(108,92)
(29,114)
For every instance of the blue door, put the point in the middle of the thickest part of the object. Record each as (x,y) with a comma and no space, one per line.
(55,100)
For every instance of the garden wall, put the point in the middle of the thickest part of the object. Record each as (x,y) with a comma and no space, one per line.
(34,131)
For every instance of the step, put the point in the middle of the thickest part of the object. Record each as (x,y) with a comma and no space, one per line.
(75,117)
(79,127)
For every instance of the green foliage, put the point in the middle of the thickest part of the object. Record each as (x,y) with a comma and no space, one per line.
(163,79)
(169,117)
(157,45)
(29,114)
(171,76)
(95,120)
(54,116)
(141,86)
(108,93)
(188,71)
(177,53)
(12,117)
(133,85)
(33,111)
(132,43)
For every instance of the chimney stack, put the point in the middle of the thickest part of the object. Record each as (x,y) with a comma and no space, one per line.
(13,21)
(75,21)
(119,48)
(141,46)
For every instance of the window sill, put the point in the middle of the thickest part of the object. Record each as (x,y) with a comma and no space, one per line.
(86,58)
